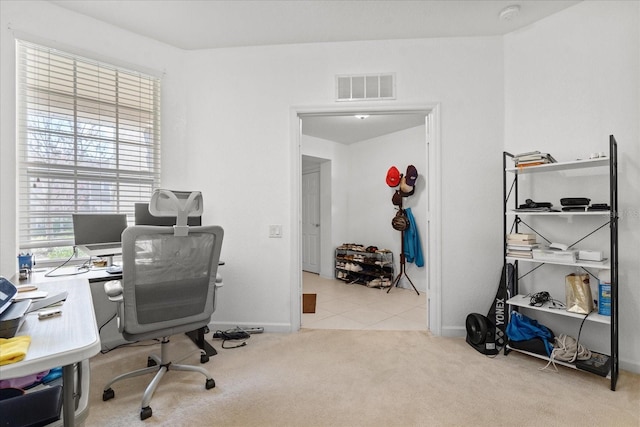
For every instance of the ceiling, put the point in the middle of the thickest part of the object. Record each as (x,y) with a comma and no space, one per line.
(348,129)
(206,24)
(211,24)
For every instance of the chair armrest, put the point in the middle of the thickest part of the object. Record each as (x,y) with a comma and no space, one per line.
(113,289)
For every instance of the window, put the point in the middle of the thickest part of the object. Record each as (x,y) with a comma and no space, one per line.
(89,141)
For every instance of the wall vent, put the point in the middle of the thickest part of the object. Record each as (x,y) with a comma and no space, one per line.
(365,87)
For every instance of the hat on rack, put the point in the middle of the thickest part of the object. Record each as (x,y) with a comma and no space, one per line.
(397,198)
(393,177)
(412,175)
(405,189)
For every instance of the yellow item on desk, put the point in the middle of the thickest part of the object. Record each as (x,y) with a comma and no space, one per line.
(14,349)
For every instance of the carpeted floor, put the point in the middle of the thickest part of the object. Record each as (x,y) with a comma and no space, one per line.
(361,378)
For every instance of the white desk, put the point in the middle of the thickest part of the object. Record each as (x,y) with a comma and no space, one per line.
(60,341)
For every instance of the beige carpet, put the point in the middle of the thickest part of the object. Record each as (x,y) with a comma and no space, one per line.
(362,378)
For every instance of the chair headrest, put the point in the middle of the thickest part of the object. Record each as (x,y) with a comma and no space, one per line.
(180,204)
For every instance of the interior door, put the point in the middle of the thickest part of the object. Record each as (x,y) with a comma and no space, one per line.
(311,222)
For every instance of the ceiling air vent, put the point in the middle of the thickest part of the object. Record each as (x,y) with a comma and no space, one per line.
(365,87)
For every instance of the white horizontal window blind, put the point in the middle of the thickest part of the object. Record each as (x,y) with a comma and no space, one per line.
(89,141)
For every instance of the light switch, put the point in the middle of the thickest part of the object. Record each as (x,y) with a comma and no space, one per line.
(275,230)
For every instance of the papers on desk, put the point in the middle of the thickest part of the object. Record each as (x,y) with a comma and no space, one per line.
(56,299)
(30,295)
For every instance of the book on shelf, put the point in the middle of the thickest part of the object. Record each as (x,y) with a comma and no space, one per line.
(533,158)
(521,237)
(519,254)
(521,247)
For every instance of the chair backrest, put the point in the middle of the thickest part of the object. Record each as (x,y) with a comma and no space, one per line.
(169,280)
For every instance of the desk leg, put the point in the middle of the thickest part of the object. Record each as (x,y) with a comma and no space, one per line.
(68,401)
(197,337)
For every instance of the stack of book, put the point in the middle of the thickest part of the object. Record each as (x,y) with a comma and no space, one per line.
(533,158)
(521,245)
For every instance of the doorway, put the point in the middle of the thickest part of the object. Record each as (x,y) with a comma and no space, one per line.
(430,218)
(311,225)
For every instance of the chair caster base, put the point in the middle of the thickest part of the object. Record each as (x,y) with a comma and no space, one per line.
(151,362)
(210,384)
(204,358)
(108,394)
(145,412)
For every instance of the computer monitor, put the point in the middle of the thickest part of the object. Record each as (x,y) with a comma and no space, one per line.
(143,217)
(99,234)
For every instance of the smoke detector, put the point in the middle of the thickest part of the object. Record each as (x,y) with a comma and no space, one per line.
(509,12)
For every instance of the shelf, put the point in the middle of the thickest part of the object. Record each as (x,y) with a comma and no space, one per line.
(557,362)
(376,274)
(571,173)
(384,263)
(523,301)
(560,166)
(568,214)
(376,265)
(590,264)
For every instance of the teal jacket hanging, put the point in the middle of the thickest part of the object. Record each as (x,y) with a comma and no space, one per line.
(412,246)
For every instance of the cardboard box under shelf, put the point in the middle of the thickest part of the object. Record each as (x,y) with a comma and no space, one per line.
(308,303)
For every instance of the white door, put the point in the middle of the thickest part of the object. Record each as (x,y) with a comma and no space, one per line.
(311,222)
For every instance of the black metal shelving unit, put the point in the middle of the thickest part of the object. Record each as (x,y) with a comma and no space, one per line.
(510,194)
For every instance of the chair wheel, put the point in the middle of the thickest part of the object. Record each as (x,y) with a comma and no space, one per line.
(150,362)
(210,384)
(108,394)
(204,358)
(145,412)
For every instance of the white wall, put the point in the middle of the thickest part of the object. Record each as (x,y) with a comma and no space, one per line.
(334,196)
(239,103)
(571,80)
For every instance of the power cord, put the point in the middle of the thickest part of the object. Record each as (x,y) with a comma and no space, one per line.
(540,298)
(81,270)
(234,334)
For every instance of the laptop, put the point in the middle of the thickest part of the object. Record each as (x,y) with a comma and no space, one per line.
(99,234)
(7,292)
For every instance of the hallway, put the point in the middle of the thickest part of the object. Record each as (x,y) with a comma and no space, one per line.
(340,305)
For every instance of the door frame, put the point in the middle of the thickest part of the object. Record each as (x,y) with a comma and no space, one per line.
(434,229)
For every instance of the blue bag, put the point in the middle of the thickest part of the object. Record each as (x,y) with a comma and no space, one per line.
(523,328)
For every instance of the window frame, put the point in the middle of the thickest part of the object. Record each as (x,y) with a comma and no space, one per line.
(88,140)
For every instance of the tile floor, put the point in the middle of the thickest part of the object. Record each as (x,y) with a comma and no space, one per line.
(340,305)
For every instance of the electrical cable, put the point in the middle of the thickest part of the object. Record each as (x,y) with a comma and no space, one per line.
(81,270)
(540,298)
(234,334)
(107,322)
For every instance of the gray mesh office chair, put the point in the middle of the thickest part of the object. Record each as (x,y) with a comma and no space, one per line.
(168,287)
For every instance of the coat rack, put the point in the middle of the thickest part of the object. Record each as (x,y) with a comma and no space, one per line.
(402,272)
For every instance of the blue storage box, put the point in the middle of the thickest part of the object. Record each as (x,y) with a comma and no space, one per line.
(604,299)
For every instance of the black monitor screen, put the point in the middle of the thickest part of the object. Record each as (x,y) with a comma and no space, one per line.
(143,217)
(90,229)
